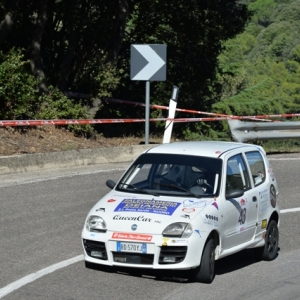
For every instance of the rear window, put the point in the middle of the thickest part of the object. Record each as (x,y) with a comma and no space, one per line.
(257,167)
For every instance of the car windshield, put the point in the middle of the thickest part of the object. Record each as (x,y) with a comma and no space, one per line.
(174,175)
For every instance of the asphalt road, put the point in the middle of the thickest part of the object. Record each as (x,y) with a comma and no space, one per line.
(41,218)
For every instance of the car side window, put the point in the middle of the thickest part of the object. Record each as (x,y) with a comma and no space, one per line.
(257,167)
(237,175)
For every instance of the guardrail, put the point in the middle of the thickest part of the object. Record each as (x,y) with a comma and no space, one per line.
(249,131)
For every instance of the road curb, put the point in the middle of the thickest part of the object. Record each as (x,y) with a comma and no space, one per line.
(72,158)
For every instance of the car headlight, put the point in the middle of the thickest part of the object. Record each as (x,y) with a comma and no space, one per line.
(95,224)
(180,229)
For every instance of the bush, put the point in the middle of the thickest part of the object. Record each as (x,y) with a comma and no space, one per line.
(18,89)
(55,105)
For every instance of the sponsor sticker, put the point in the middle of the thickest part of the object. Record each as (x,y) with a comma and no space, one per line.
(165,242)
(185,216)
(127,218)
(180,241)
(193,203)
(215,204)
(131,236)
(134,227)
(263,200)
(101,209)
(242,215)
(264,223)
(148,206)
(198,232)
(188,210)
(210,219)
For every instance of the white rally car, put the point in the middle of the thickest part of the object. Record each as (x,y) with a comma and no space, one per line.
(181,206)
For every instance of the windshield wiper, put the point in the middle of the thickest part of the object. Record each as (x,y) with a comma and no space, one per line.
(139,190)
(174,186)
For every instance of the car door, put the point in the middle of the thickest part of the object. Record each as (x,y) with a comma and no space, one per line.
(240,213)
(262,187)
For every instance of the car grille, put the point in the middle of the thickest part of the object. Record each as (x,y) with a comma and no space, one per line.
(95,249)
(172,254)
(133,258)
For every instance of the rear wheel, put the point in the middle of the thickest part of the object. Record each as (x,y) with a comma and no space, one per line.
(205,273)
(269,250)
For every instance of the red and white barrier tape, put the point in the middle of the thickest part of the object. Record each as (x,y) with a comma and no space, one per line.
(223,116)
(95,121)
(180,109)
(111,121)
(218,117)
(163,107)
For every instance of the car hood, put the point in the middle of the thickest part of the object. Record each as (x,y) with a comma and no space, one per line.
(145,213)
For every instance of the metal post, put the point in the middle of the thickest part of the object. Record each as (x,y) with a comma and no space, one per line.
(147,114)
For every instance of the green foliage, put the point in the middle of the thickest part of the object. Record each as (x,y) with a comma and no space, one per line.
(204,132)
(108,80)
(55,106)
(250,101)
(263,11)
(262,78)
(278,146)
(18,92)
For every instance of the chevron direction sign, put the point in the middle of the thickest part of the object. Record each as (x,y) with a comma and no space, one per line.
(148,62)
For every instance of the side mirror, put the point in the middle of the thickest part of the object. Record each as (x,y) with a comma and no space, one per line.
(111,184)
(234,194)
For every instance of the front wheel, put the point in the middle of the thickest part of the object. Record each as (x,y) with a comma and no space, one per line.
(205,273)
(269,250)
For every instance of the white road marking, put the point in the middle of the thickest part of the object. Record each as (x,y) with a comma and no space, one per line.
(283,211)
(284,158)
(34,276)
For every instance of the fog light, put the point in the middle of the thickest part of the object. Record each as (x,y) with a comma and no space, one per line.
(97,254)
(169,259)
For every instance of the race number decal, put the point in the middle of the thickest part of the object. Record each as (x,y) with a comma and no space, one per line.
(242,218)
(242,215)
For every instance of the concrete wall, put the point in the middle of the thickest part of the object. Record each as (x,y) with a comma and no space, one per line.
(56,160)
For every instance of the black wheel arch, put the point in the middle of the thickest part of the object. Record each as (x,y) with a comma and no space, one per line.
(274,216)
(215,236)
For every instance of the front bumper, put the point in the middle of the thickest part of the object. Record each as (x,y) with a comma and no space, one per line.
(160,253)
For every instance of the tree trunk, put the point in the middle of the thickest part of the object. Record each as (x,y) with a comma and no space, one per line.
(8,21)
(70,37)
(119,29)
(35,48)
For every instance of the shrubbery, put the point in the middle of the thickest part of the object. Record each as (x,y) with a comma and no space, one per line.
(18,89)
(21,100)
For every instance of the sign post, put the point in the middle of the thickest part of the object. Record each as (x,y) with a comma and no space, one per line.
(148,62)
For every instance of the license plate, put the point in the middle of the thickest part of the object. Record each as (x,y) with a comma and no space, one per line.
(132,247)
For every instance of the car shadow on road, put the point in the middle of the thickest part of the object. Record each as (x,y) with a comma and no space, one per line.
(228,264)
(237,261)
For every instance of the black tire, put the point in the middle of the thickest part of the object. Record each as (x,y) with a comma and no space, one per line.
(269,251)
(205,273)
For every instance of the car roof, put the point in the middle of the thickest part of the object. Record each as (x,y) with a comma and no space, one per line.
(203,148)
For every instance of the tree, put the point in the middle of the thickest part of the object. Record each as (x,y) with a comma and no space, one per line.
(79,45)
(193,32)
